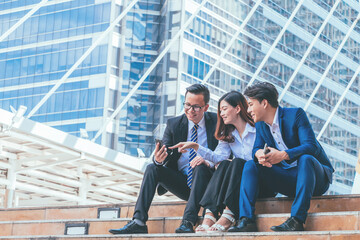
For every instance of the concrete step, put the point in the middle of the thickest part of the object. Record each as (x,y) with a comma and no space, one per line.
(336,221)
(175,209)
(318,235)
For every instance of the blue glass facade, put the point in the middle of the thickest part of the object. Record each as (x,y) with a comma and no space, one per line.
(35,56)
(43,49)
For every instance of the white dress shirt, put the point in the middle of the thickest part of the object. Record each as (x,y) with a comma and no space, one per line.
(276,133)
(241,147)
(183,161)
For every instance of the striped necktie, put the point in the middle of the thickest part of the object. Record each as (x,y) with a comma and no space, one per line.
(194,138)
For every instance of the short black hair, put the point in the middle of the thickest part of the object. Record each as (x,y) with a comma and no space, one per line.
(261,91)
(199,89)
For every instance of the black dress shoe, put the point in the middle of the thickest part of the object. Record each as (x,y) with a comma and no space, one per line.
(130,228)
(291,224)
(244,225)
(185,227)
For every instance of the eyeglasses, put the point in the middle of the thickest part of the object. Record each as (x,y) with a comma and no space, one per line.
(196,108)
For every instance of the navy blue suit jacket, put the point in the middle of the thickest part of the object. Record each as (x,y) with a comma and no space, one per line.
(298,136)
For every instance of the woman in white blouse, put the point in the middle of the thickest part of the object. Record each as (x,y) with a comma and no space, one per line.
(236,134)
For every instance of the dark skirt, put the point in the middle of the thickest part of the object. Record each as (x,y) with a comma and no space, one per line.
(224,188)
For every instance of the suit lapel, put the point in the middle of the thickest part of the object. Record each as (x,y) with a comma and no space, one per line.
(280,117)
(269,139)
(183,130)
(281,123)
(210,131)
(268,136)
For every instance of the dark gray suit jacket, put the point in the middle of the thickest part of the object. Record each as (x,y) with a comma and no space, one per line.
(176,131)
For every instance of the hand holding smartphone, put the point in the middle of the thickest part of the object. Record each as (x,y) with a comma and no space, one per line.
(266,149)
(160,143)
(169,151)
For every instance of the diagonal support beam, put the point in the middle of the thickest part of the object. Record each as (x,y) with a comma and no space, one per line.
(45,165)
(23,19)
(323,25)
(58,156)
(82,58)
(338,103)
(277,40)
(47,192)
(228,46)
(115,184)
(151,68)
(331,62)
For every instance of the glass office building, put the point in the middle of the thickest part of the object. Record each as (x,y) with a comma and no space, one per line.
(295,44)
(41,51)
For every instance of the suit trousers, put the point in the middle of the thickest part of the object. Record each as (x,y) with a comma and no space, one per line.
(224,188)
(175,182)
(302,182)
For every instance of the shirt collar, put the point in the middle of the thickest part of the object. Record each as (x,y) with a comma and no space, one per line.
(276,119)
(201,123)
(248,129)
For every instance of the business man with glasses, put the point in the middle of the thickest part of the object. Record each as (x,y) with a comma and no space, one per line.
(171,170)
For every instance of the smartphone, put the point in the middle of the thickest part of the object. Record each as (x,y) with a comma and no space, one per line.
(266,149)
(160,142)
(169,151)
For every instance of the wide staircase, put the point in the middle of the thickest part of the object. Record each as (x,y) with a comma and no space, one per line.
(330,217)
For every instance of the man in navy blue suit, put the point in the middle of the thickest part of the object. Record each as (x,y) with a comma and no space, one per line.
(295,165)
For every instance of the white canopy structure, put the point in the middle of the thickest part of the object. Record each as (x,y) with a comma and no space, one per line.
(40,165)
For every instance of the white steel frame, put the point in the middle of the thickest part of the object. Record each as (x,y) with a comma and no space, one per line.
(278,38)
(298,103)
(339,102)
(23,19)
(331,62)
(151,68)
(231,42)
(302,61)
(82,58)
(306,54)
